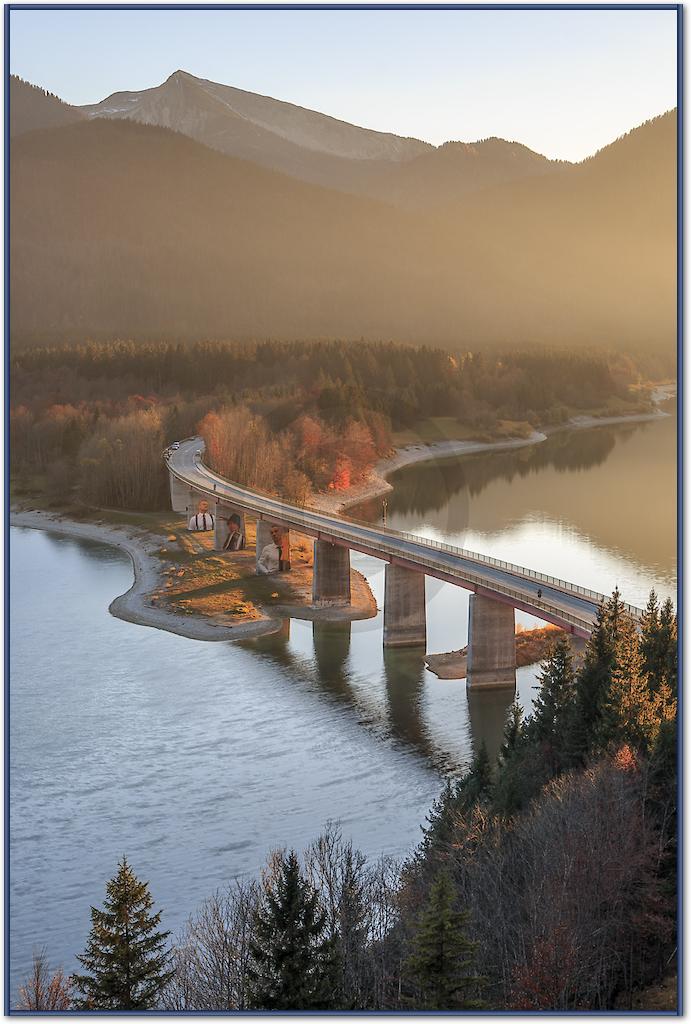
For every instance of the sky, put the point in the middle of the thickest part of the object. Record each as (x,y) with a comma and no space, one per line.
(564,83)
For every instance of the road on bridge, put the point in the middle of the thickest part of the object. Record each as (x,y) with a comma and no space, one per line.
(561,603)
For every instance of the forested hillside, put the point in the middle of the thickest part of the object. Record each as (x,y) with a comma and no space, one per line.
(125,230)
(32,108)
(91,421)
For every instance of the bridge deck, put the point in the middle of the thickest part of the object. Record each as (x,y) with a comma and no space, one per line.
(561,603)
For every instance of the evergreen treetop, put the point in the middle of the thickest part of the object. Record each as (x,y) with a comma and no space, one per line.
(441,962)
(553,705)
(293,961)
(126,960)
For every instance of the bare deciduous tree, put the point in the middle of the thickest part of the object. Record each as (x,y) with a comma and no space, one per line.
(43,991)
(210,957)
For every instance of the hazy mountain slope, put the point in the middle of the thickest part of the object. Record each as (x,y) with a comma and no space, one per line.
(454,171)
(32,108)
(594,243)
(320,149)
(127,230)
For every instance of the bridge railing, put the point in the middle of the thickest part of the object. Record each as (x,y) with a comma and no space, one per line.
(516,570)
(301,515)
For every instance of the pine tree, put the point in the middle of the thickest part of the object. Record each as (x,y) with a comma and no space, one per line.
(658,644)
(477,784)
(667,646)
(628,713)
(513,731)
(293,962)
(439,830)
(442,956)
(125,955)
(650,628)
(594,681)
(553,705)
(521,770)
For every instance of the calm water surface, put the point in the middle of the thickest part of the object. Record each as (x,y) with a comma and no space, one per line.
(196,758)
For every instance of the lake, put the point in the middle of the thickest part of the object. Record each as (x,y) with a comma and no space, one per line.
(195,759)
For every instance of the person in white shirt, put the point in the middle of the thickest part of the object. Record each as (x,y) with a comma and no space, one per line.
(269,560)
(202,520)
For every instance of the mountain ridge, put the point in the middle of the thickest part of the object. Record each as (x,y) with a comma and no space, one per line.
(318,148)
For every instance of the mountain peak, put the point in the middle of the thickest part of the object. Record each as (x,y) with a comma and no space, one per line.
(275,133)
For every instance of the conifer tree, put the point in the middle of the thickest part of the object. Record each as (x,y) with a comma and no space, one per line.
(292,960)
(521,770)
(438,832)
(553,705)
(442,956)
(667,646)
(594,681)
(477,784)
(125,958)
(649,640)
(513,731)
(658,644)
(628,713)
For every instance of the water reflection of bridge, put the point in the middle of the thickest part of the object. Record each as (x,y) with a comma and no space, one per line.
(397,707)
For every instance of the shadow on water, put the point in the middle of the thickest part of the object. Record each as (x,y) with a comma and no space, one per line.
(487,715)
(404,675)
(321,659)
(331,644)
(390,700)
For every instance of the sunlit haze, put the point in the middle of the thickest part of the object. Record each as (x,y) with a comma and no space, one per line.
(564,83)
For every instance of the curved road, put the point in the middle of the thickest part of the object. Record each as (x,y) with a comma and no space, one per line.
(561,603)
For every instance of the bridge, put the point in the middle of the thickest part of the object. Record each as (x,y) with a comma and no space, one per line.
(498,588)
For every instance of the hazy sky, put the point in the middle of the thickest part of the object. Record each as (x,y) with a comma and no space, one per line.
(564,83)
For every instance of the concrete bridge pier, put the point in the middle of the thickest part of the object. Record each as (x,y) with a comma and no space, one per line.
(491,643)
(331,574)
(185,499)
(404,607)
(181,495)
(270,536)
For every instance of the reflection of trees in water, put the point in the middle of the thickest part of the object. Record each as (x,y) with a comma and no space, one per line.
(428,486)
(487,713)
